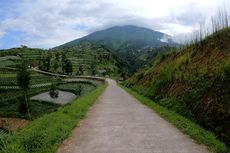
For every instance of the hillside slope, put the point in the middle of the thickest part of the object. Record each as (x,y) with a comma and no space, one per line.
(83,59)
(194,82)
(92,59)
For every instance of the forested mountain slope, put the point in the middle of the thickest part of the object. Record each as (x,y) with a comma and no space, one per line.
(130,43)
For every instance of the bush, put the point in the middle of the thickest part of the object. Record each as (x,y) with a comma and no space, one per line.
(175,105)
(166,76)
(22,109)
(198,86)
(53,91)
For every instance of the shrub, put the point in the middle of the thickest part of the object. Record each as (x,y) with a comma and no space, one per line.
(53,91)
(22,109)
(176,105)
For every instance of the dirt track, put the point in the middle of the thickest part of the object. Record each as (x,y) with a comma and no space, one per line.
(118,123)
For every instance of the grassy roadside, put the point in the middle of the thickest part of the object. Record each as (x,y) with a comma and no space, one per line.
(188,127)
(46,133)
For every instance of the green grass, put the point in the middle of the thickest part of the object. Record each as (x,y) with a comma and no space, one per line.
(40,108)
(185,125)
(46,133)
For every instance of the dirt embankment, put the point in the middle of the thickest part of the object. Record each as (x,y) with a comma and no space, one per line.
(13,124)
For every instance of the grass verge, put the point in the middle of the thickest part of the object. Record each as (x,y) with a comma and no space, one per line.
(185,125)
(46,133)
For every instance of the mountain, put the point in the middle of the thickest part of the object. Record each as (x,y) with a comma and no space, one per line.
(127,42)
(193,82)
(117,36)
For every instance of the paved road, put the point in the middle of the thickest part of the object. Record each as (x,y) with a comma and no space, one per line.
(118,123)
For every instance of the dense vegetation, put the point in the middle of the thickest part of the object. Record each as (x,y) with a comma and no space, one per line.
(88,59)
(83,59)
(194,82)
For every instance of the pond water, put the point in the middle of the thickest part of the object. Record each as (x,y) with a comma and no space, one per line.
(62,99)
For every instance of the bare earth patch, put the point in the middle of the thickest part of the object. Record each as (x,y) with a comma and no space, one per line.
(13,124)
(62,99)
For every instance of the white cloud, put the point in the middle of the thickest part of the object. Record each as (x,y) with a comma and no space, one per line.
(51,23)
(2,33)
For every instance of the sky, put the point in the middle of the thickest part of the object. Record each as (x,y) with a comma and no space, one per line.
(49,23)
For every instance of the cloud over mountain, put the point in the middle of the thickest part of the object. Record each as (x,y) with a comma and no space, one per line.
(42,23)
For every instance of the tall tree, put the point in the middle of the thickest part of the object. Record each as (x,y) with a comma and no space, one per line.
(23,79)
(81,70)
(48,59)
(55,65)
(68,67)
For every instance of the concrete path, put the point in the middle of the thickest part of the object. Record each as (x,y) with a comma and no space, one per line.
(118,123)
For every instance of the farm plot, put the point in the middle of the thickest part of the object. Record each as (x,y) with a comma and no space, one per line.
(5,63)
(11,100)
(8,80)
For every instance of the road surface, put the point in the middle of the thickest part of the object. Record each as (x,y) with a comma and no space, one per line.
(118,123)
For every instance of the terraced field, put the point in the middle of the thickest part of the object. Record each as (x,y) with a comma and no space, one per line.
(91,59)
(85,59)
(11,96)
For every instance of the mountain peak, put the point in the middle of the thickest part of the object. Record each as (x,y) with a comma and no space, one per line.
(115,37)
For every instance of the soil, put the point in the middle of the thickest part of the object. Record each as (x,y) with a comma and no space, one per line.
(13,124)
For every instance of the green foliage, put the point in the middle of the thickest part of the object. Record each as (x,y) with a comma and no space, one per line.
(53,91)
(22,109)
(23,76)
(160,81)
(175,105)
(67,66)
(46,133)
(13,103)
(197,88)
(225,69)
(88,59)
(185,125)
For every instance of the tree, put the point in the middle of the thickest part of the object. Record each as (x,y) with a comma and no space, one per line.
(53,91)
(23,79)
(63,60)
(55,65)
(93,71)
(68,67)
(81,70)
(56,61)
(57,56)
(48,59)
